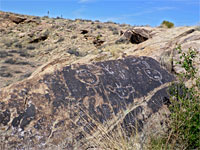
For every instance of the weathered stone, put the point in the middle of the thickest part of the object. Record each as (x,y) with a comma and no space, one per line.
(137,36)
(72,106)
(84,31)
(170,57)
(40,37)
(98,42)
(16,19)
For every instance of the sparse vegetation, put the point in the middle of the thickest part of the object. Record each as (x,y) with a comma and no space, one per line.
(167,24)
(25,76)
(24,54)
(184,121)
(73,36)
(61,39)
(63,36)
(9,43)
(113,29)
(45,17)
(5,74)
(3,54)
(30,47)
(122,40)
(98,37)
(197,28)
(115,32)
(18,45)
(99,26)
(184,124)
(72,27)
(15,62)
(73,51)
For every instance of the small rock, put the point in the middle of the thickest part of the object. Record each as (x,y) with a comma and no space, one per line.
(121,32)
(21,35)
(84,31)
(98,42)
(40,37)
(99,26)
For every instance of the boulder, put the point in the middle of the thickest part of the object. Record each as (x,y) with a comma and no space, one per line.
(74,106)
(16,19)
(84,31)
(170,57)
(137,36)
(40,37)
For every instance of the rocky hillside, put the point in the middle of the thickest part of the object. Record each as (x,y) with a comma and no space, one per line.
(84,80)
(27,42)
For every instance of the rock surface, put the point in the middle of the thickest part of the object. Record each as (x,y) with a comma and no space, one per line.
(67,107)
(84,84)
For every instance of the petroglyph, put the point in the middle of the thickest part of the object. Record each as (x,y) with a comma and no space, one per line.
(70,106)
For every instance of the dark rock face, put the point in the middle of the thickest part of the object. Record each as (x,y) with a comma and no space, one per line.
(66,107)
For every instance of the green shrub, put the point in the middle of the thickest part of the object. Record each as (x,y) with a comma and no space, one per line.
(185,105)
(184,124)
(167,24)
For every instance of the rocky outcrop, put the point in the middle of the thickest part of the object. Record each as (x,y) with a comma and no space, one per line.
(84,93)
(38,40)
(40,37)
(189,39)
(137,36)
(162,46)
(16,19)
(72,106)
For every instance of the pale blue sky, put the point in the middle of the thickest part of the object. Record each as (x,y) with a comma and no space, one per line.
(134,12)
